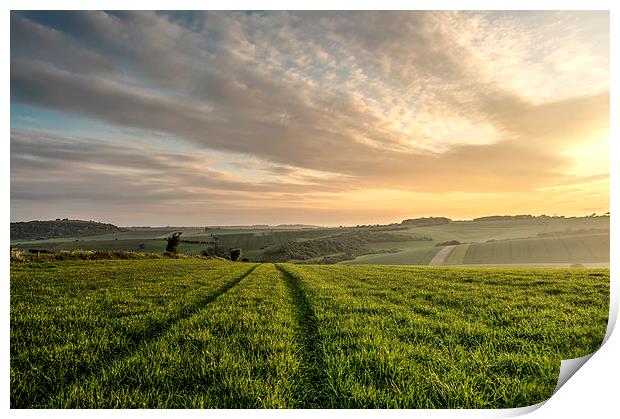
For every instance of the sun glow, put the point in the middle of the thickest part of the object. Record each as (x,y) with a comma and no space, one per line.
(591,157)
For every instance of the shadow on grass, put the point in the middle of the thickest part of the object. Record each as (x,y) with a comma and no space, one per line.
(313,380)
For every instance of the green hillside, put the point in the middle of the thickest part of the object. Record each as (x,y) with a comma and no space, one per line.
(565,240)
(573,249)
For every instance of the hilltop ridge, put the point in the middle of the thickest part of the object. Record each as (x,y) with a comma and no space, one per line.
(41,230)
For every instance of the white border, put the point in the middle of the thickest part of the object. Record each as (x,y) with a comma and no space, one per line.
(591,392)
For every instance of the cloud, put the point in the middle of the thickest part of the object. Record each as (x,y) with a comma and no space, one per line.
(90,177)
(553,123)
(45,164)
(309,143)
(306,101)
(30,39)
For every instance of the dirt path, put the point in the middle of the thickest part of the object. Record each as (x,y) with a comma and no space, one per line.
(441,256)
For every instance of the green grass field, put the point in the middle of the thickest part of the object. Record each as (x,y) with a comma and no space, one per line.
(179,333)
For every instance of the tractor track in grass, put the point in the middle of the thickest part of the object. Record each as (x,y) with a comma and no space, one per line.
(441,256)
(313,377)
(155,332)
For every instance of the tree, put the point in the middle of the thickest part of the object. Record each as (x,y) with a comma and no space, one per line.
(210,250)
(173,242)
(235,254)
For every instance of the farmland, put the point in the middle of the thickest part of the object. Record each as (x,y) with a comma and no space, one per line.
(534,241)
(538,240)
(179,333)
(252,241)
(593,248)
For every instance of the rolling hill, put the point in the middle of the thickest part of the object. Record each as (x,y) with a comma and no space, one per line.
(40,230)
(488,240)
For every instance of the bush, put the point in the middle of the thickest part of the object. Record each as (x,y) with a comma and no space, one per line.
(173,242)
(17,255)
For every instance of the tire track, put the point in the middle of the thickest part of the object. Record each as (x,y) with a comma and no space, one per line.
(313,377)
(441,256)
(153,333)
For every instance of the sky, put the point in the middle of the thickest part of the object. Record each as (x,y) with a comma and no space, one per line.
(326,118)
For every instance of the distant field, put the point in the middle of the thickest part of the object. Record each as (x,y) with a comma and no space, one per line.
(415,256)
(252,242)
(126,235)
(258,240)
(511,241)
(457,255)
(514,241)
(573,249)
(559,250)
(178,333)
(481,231)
